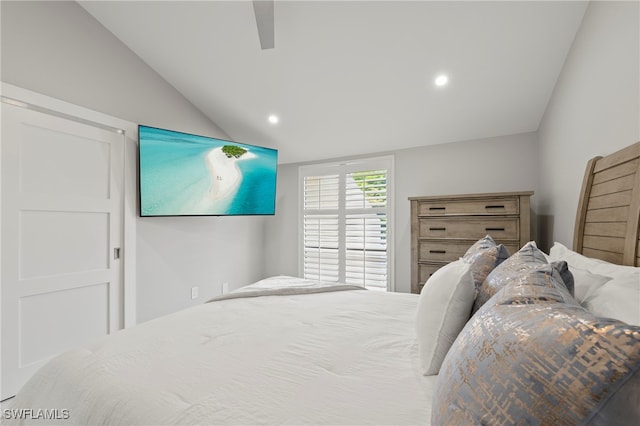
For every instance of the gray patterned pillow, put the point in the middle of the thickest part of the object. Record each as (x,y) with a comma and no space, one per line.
(529,257)
(542,284)
(532,355)
(483,256)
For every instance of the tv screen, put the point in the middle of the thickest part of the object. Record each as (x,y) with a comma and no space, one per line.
(189,175)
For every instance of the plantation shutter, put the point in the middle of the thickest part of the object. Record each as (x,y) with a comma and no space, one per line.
(321,222)
(345,223)
(366,228)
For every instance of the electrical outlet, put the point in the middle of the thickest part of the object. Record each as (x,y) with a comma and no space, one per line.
(195,292)
(225,288)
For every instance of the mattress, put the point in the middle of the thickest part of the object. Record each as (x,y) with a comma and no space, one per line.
(323,357)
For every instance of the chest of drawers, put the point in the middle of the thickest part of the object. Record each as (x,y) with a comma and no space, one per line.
(443,227)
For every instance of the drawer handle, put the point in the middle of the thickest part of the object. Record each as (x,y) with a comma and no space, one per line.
(495,206)
(494,229)
(438,251)
(437,229)
(437,208)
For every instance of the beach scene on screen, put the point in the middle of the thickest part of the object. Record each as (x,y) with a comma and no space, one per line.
(183,175)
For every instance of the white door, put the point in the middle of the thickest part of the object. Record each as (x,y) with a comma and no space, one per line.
(62,185)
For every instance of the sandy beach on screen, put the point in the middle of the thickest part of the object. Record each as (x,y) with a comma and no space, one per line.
(225,174)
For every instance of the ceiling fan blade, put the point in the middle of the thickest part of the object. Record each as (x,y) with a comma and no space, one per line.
(263,9)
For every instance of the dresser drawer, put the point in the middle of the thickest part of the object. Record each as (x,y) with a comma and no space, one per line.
(442,251)
(425,271)
(499,228)
(488,207)
(453,252)
(449,251)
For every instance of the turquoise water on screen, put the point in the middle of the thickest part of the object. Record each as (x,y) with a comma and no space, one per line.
(175,179)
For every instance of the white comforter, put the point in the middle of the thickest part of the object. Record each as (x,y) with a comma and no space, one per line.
(341,358)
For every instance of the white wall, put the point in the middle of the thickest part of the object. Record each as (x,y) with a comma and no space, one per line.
(594,110)
(58,49)
(508,163)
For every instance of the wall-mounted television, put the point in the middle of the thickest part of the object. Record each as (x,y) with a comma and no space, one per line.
(189,175)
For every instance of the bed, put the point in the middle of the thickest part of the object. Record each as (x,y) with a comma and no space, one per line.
(329,357)
(292,351)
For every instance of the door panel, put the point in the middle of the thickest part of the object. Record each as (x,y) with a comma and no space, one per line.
(43,152)
(57,313)
(46,247)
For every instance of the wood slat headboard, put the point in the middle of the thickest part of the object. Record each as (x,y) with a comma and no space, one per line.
(608,215)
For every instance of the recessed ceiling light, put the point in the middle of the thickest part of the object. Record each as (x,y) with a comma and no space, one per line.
(441,80)
(273,119)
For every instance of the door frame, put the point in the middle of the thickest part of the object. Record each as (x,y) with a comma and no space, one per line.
(28,99)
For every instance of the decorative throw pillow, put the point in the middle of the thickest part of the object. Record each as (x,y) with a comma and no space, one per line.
(532,355)
(529,257)
(542,284)
(483,256)
(443,309)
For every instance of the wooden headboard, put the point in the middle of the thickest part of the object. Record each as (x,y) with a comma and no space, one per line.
(609,208)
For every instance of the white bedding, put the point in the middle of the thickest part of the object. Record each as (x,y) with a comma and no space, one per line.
(341,358)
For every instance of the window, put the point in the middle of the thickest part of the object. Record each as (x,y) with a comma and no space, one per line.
(346,223)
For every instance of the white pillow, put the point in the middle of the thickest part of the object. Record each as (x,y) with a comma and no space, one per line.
(618,299)
(596,266)
(444,307)
(585,283)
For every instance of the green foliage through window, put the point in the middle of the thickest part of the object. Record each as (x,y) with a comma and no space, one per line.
(373,184)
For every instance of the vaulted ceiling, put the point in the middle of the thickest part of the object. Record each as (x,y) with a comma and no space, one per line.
(355,77)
